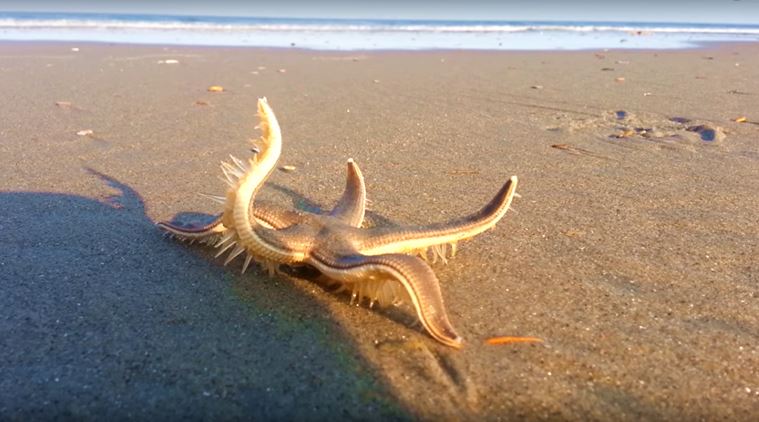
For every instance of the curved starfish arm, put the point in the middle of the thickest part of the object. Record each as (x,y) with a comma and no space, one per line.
(257,240)
(202,233)
(411,272)
(384,240)
(351,207)
(267,214)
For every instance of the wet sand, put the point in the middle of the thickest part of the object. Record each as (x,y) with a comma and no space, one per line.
(632,252)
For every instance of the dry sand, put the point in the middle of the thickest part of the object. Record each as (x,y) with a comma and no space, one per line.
(634,258)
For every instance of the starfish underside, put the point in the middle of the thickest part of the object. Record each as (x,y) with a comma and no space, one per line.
(381,264)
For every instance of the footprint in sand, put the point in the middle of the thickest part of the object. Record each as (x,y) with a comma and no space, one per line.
(708,132)
(672,131)
(676,132)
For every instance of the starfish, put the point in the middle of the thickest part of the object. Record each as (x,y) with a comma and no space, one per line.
(381,264)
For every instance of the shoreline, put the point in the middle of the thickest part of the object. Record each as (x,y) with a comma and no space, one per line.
(630,252)
(705,46)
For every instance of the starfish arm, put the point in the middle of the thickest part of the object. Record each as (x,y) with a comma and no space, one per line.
(274,216)
(384,240)
(351,207)
(266,214)
(207,232)
(411,272)
(257,240)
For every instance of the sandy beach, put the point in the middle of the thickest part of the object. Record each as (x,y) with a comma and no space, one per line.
(632,252)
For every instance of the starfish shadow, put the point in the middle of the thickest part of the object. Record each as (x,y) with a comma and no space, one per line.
(403,314)
(302,203)
(103,317)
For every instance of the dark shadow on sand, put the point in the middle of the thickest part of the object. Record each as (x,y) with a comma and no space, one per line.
(102,317)
(302,203)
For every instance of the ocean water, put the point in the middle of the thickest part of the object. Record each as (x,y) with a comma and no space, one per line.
(341,34)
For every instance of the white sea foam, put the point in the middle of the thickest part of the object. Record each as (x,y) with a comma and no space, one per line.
(370,26)
(363,34)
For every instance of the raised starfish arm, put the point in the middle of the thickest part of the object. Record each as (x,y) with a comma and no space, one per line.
(411,272)
(351,207)
(258,241)
(408,239)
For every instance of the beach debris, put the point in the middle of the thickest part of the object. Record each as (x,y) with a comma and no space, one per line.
(537,87)
(64,104)
(376,81)
(621,114)
(282,70)
(652,133)
(607,69)
(622,62)
(574,233)
(462,172)
(287,168)
(682,120)
(85,132)
(619,79)
(215,88)
(579,151)
(646,94)
(742,119)
(625,134)
(708,132)
(168,61)
(497,341)
(75,49)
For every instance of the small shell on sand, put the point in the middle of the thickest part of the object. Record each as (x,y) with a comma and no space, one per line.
(494,341)
(742,119)
(85,132)
(625,134)
(287,168)
(215,88)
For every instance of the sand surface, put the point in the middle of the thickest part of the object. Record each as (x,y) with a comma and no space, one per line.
(635,258)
